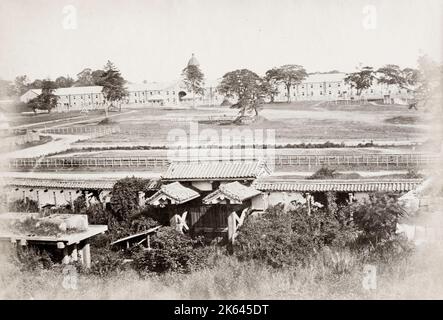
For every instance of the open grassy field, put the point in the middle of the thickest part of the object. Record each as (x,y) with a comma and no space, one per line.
(291,122)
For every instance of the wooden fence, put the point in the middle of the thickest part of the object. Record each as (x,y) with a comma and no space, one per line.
(94,130)
(368,161)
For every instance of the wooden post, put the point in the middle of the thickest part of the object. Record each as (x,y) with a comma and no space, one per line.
(74,253)
(308,202)
(38,200)
(231,226)
(71,202)
(80,257)
(86,251)
(66,258)
(141,198)
(55,199)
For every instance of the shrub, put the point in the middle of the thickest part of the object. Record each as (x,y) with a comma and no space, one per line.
(172,251)
(27,205)
(106,262)
(124,199)
(323,173)
(30,258)
(281,238)
(413,174)
(376,218)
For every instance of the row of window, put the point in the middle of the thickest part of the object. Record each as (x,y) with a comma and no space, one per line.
(142,93)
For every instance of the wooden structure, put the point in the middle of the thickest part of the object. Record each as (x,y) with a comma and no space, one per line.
(73,245)
(137,239)
(202,197)
(313,161)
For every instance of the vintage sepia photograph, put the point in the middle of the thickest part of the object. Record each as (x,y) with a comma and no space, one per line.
(221,150)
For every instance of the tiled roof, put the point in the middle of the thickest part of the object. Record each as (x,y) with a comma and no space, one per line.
(215,170)
(175,192)
(360,185)
(234,191)
(69,184)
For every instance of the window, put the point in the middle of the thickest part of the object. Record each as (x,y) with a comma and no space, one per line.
(302,93)
(167,93)
(321,93)
(96,96)
(312,87)
(312,93)
(329,85)
(338,85)
(330,92)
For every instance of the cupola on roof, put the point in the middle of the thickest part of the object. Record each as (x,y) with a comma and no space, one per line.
(193,61)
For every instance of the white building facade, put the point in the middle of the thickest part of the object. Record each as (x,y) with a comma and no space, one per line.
(332,87)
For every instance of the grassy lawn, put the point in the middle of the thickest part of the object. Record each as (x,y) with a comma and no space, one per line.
(306,121)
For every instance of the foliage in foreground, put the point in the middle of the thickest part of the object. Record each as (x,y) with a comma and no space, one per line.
(283,238)
(172,251)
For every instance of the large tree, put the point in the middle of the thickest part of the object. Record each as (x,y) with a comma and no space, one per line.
(114,90)
(361,79)
(19,87)
(194,80)
(429,82)
(391,74)
(64,82)
(247,87)
(46,100)
(289,75)
(271,83)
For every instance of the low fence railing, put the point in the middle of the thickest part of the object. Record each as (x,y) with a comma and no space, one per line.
(380,161)
(90,130)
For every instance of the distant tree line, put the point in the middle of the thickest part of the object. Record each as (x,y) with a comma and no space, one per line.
(110,78)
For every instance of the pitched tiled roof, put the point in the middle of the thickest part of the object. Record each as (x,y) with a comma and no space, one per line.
(175,192)
(360,185)
(234,191)
(215,170)
(69,184)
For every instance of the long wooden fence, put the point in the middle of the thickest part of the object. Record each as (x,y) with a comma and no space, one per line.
(94,130)
(363,162)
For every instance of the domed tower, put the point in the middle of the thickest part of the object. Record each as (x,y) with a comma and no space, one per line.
(193,61)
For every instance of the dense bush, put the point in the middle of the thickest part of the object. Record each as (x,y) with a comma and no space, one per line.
(282,238)
(30,258)
(172,251)
(106,262)
(376,218)
(124,199)
(323,173)
(27,205)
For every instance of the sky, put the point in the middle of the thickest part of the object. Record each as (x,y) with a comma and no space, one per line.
(153,39)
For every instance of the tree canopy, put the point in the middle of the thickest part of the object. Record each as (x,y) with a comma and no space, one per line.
(194,80)
(361,80)
(114,90)
(247,87)
(289,75)
(46,100)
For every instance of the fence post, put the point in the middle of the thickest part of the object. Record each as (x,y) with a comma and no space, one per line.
(231,226)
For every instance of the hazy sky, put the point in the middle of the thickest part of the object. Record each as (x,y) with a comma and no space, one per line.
(153,39)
